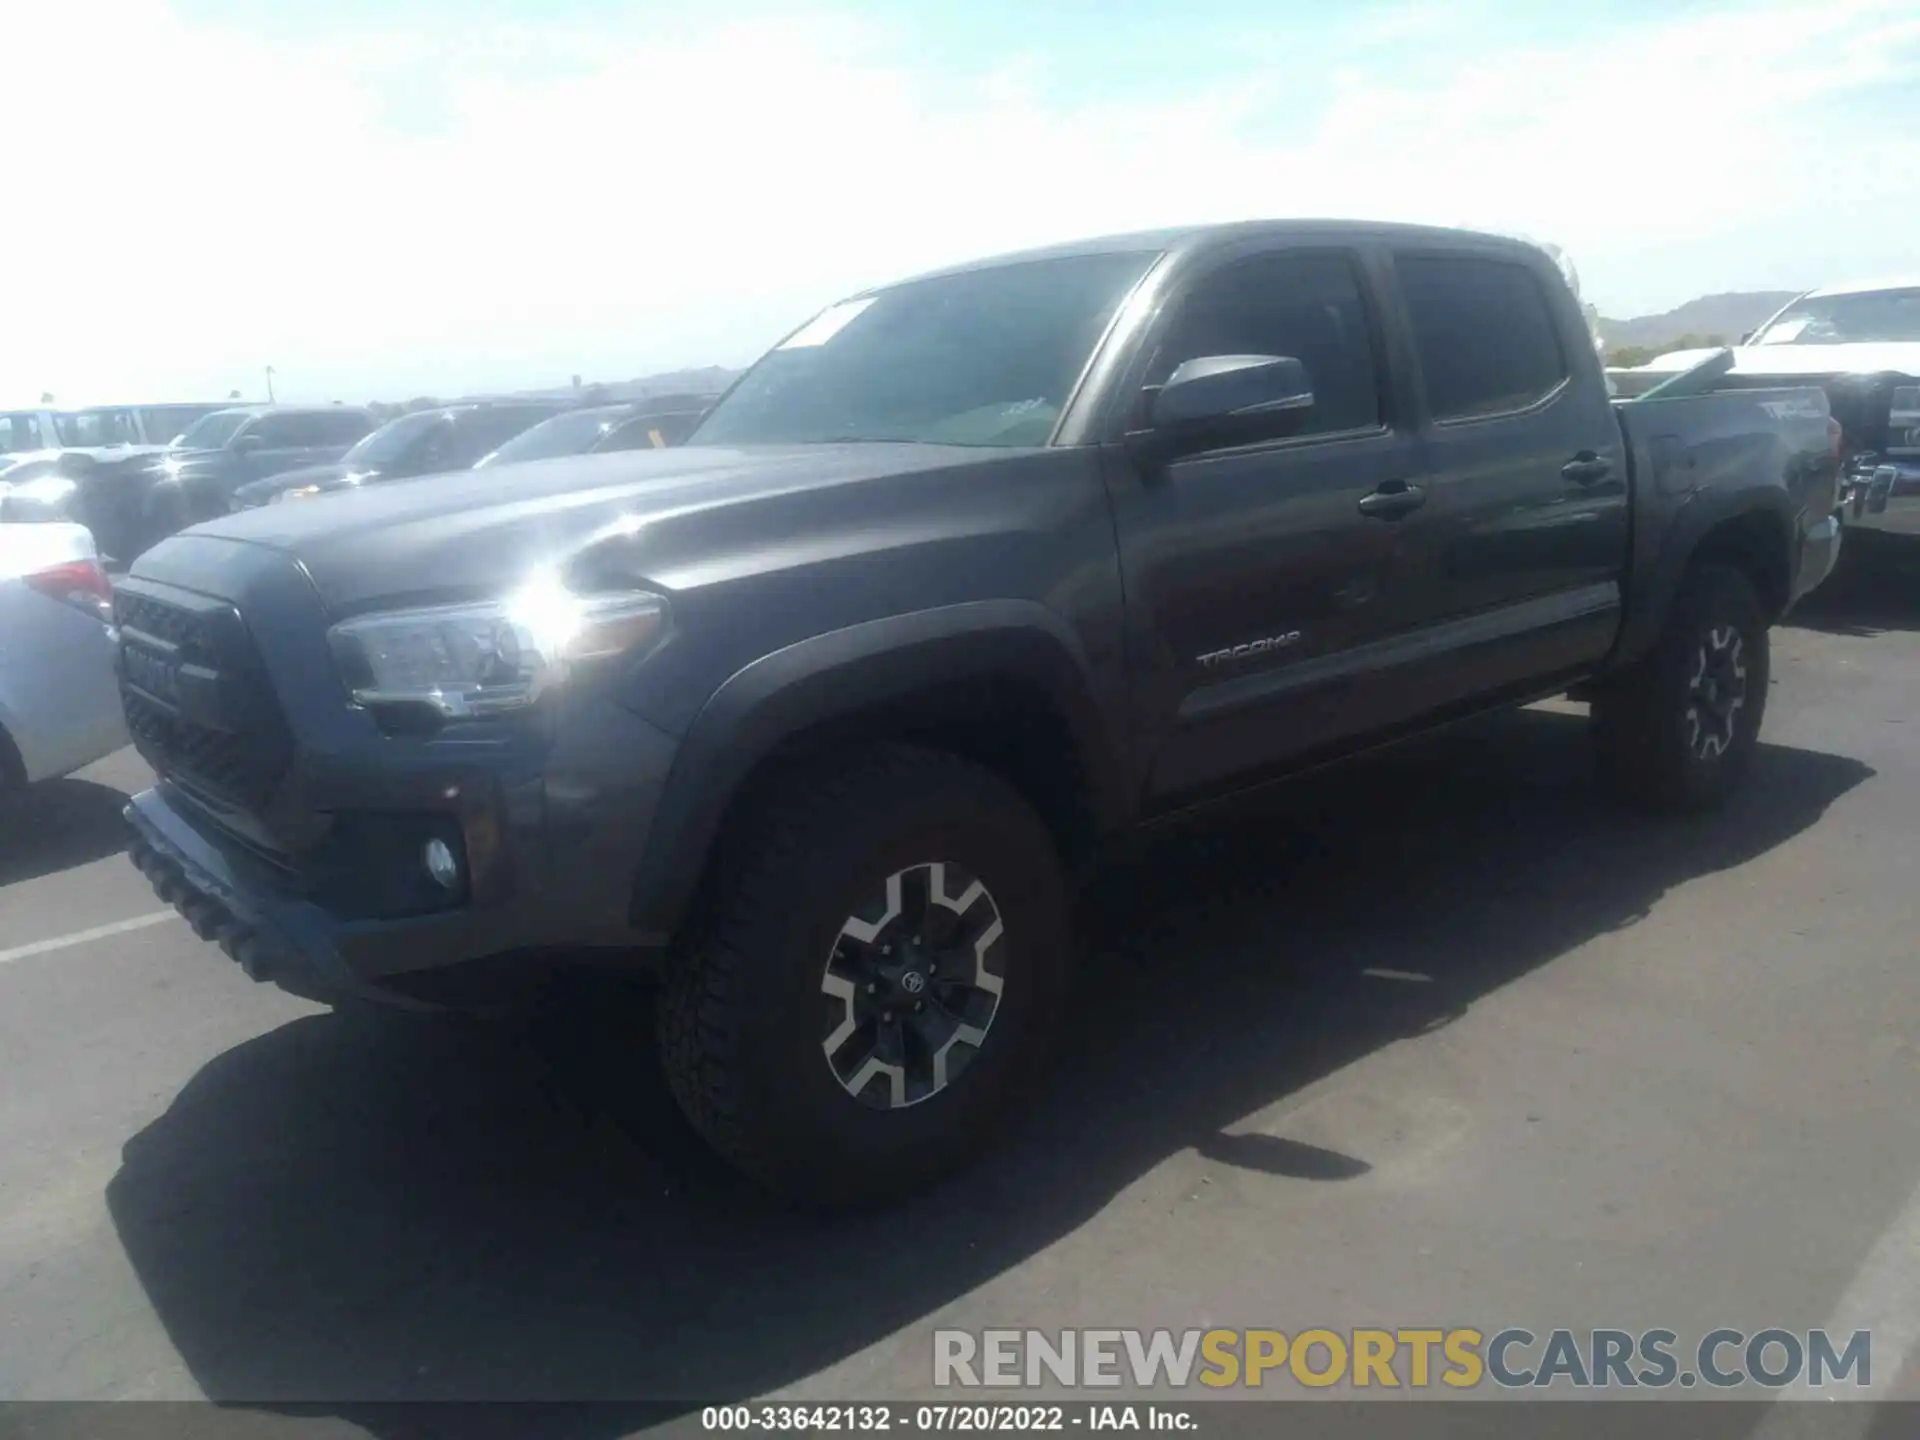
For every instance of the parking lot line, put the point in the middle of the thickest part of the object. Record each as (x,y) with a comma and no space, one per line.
(1885,1296)
(82,937)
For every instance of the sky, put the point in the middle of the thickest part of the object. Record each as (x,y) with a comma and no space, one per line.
(390,198)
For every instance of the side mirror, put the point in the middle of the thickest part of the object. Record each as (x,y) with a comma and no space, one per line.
(1745,336)
(1231,399)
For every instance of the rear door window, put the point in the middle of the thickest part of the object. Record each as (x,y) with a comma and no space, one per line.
(281,432)
(1484,332)
(341,428)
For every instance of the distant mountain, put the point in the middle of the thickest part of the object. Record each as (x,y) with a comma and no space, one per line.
(1729,316)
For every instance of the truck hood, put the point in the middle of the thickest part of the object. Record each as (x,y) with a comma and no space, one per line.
(466,533)
(1807,360)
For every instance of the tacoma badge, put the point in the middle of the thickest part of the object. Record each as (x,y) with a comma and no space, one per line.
(1251,648)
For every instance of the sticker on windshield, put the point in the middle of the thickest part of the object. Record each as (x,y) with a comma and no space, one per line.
(827,324)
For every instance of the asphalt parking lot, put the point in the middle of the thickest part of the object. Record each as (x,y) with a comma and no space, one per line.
(1438,1040)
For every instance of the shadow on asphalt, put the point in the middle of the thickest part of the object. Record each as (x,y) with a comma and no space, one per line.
(358,1209)
(1874,589)
(59,825)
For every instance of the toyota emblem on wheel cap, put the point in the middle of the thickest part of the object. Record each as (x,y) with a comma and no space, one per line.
(913,982)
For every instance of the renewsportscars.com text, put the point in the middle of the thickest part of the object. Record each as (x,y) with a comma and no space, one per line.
(1460,1358)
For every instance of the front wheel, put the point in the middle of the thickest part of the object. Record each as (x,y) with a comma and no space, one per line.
(1678,731)
(874,979)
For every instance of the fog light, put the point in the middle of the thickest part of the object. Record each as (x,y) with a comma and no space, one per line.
(442,866)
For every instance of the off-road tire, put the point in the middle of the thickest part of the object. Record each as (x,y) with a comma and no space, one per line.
(741,1007)
(1645,738)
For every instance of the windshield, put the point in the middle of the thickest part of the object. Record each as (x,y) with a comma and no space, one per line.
(393,440)
(570,434)
(983,357)
(212,431)
(1865,317)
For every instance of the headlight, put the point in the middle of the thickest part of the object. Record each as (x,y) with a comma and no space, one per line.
(1903,425)
(302,493)
(493,657)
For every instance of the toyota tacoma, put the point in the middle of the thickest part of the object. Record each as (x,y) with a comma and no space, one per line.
(818,718)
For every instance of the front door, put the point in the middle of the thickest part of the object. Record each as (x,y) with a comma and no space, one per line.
(1253,573)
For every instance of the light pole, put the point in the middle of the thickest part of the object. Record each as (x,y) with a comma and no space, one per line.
(269,384)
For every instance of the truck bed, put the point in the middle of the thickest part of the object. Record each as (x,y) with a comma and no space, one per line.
(1690,454)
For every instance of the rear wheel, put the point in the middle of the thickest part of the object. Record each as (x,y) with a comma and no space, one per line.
(1678,731)
(876,976)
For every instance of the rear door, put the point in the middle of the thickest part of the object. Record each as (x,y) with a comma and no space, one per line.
(1253,575)
(1528,470)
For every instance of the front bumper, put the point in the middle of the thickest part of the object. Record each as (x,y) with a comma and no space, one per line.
(1884,499)
(548,872)
(277,938)
(287,825)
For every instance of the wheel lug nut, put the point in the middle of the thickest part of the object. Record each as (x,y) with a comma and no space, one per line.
(872,989)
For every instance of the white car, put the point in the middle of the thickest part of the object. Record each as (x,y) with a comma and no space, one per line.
(59,702)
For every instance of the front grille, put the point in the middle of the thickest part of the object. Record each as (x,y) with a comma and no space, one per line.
(199,705)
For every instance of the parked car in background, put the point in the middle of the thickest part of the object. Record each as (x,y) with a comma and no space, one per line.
(132,501)
(448,437)
(99,445)
(1860,342)
(59,704)
(97,427)
(652,424)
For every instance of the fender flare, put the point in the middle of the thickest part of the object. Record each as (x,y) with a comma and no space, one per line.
(1668,554)
(838,675)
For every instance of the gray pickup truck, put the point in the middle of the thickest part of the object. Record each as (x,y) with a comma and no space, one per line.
(819,717)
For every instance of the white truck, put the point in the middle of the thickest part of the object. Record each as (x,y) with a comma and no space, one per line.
(1860,342)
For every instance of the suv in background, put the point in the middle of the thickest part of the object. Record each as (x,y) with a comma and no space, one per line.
(447,437)
(132,505)
(96,427)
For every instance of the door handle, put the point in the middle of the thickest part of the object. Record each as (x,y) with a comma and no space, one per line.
(1392,500)
(1587,467)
